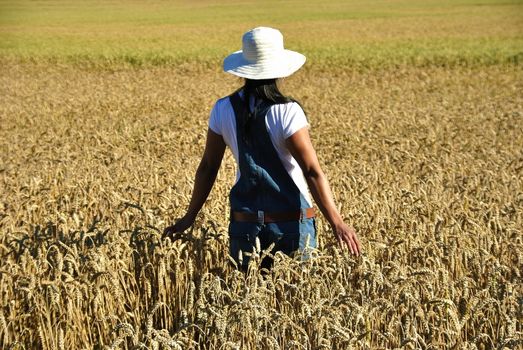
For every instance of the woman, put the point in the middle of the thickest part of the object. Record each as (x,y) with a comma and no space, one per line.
(267,133)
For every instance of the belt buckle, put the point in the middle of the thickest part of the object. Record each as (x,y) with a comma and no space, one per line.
(260,217)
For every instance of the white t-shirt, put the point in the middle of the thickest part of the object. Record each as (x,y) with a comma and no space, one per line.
(282,121)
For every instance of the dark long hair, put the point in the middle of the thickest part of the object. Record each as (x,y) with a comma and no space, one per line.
(266,90)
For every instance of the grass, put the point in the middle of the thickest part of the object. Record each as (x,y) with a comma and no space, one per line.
(388,33)
(425,162)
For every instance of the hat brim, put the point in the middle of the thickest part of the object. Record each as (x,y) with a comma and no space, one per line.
(279,66)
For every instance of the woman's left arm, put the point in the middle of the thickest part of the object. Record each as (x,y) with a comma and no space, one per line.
(203,182)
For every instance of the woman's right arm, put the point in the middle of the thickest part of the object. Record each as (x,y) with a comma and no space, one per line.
(300,146)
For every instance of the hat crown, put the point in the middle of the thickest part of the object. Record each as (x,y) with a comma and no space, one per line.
(263,56)
(262,43)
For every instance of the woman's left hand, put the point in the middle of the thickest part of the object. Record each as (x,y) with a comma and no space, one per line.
(180,226)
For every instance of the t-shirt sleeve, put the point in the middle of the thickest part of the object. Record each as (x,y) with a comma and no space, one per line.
(214,120)
(293,120)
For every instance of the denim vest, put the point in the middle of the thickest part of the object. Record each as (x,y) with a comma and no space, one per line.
(264,184)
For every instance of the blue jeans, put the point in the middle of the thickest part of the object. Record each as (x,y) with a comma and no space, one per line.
(288,237)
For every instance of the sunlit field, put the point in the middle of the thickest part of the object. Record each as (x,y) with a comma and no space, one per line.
(416,112)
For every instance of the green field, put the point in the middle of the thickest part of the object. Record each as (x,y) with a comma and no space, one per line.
(356,33)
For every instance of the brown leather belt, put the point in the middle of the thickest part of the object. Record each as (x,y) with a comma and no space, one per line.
(268,217)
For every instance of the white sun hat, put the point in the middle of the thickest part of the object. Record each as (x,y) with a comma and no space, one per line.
(263,56)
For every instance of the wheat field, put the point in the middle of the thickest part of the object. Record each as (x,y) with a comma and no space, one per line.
(425,158)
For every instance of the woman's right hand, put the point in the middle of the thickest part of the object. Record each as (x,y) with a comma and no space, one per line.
(346,236)
(180,226)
